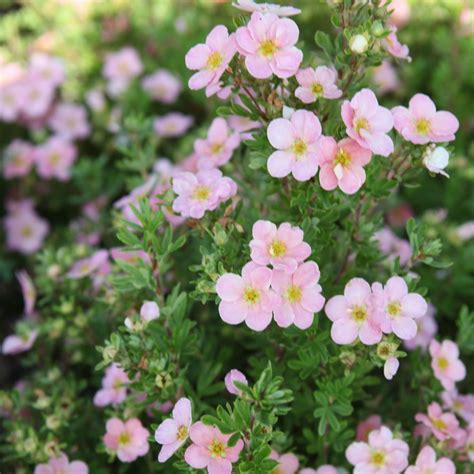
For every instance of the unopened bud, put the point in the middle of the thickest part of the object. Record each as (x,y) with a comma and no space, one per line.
(358,44)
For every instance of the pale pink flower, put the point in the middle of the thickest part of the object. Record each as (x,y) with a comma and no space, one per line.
(394,47)
(149,311)
(88,265)
(371,423)
(173,432)
(163,86)
(316,83)
(37,97)
(243,125)
(296,141)
(48,68)
(465,231)
(217,148)
(232,376)
(353,316)
(368,123)
(444,426)
(282,246)
(173,124)
(28,290)
(116,87)
(383,454)
(253,6)
(61,465)
(69,121)
(342,164)
(268,44)
(201,192)
(420,123)
(114,387)
(426,463)
(247,297)
(131,257)
(210,450)
(18,159)
(25,229)
(445,362)
(426,330)
(128,439)
(462,405)
(386,78)
(95,100)
(390,367)
(11,101)
(16,344)
(300,296)
(401,11)
(287,463)
(210,59)
(392,246)
(324,469)
(124,64)
(397,309)
(54,158)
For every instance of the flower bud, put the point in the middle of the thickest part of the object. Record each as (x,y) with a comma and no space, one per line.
(53,271)
(378,29)
(358,44)
(436,160)
(385,349)
(149,311)
(234,376)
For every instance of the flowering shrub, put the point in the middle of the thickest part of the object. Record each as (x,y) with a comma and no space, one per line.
(170,172)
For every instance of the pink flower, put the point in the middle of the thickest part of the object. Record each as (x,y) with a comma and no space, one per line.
(386,78)
(28,290)
(421,123)
(114,390)
(210,59)
(25,230)
(462,405)
(296,141)
(162,86)
(390,367)
(69,121)
(61,465)
(282,247)
(149,311)
(426,463)
(372,423)
(287,463)
(342,164)
(88,265)
(394,47)
(11,101)
(248,297)
(268,44)
(132,257)
(243,125)
(447,367)
(95,100)
(401,11)
(16,344)
(426,330)
(324,469)
(173,124)
(232,376)
(216,150)
(122,65)
(300,295)
(210,450)
(129,440)
(352,315)
(252,6)
(444,426)
(392,246)
(201,192)
(36,97)
(382,454)
(397,308)
(19,159)
(173,432)
(48,68)
(54,158)
(368,123)
(315,83)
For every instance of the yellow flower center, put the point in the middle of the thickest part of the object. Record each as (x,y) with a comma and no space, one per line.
(216,148)
(361,124)
(394,308)
(217,449)
(457,405)
(54,158)
(299,147)
(317,88)
(443,363)
(343,158)
(277,470)
(268,48)
(277,248)
(439,424)
(359,313)
(26,231)
(201,193)
(378,458)
(214,61)
(117,384)
(251,295)
(423,126)
(294,294)
(124,438)
(182,433)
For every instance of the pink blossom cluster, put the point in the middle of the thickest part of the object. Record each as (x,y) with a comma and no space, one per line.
(393,246)
(120,68)
(162,86)
(114,387)
(289,292)
(61,465)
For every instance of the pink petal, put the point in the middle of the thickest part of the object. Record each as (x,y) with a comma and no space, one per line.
(396,288)
(166,433)
(286,62)
(261,277)
(230,287)
(218,38)
(414,305)
(305,169)
(303,318)
(200,79)
(219,466)
(258,320)
(245,43)
(404,328)
(312,300)
(306,125)
(168,450)
(233,312)
(307,274)
(197,57)
(358,453)
(264,230)
(284,315)
(281,133)
(344,331)
(378,142)
(444,123)
(285,32)
(327,178)
(182,412)
(357,291)
(197,456)
(369,334)
(422,106)
(280,163)
(336,308)
(305,95)
(202,434)
(258,67)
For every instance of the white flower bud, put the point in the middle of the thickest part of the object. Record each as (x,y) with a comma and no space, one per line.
(358,44)
(436,160)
